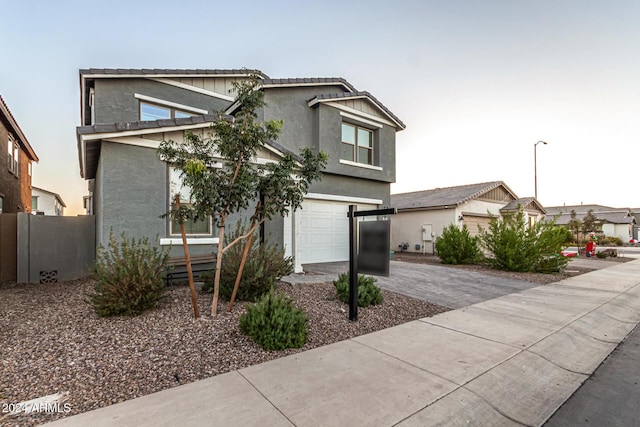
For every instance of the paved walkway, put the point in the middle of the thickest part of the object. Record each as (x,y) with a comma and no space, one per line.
(508,361)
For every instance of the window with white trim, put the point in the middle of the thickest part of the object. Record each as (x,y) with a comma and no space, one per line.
(192,228)
(13,151)
(150,111)
(357,144)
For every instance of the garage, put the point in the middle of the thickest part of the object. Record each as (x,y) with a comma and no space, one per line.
(475,222)
(322,230)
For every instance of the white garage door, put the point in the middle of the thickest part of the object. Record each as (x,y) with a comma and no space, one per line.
(322,231)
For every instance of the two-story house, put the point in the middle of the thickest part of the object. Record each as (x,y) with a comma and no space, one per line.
(16,157)
(126,113)
(45,202)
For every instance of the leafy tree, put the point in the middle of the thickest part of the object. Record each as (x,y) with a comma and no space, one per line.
(457,246)
(590,222)
(575,226)
(275,188)
(516,246)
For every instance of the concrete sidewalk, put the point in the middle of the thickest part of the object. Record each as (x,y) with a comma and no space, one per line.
(512,360)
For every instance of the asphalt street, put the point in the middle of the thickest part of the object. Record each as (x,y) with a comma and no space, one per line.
(611,396)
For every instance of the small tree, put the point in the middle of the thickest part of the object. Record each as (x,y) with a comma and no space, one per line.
(590,223)
(516,246)
(575,226)
(457,246)
(276,187)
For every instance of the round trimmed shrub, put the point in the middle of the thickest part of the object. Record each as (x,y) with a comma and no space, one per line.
(368,292)
(275,323)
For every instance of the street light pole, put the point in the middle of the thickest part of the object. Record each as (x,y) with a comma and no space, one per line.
(535,168)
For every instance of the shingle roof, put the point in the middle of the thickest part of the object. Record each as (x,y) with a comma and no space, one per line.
(615,217)
(167,71)
(525,202)
(553,210)
(448,197)
(13,127)
(147,124)
(355,95)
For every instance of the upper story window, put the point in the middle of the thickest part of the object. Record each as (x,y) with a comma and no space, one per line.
(158,112)
(357,144)
(193,228)
(34,203)
(13,151)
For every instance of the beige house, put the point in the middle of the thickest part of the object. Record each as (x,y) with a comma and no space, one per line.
(422,215)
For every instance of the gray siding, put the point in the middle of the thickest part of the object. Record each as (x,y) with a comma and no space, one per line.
(319,128)
(352,187)
(115,101)
(133,195)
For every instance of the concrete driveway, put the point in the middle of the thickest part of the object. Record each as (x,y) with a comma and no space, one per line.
(446,286)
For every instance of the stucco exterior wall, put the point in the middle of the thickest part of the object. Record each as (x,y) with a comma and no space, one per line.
(115,101)
(54,247)
(407,227)
(622,231)
(132,195)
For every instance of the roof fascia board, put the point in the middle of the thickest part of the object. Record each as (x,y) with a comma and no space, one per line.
(18,131)
(333,103)
(307,84)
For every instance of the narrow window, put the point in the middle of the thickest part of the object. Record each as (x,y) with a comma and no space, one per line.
(191,227)
(34,203)
(10,154)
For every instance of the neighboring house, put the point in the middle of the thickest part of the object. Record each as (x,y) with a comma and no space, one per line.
(45,202)
(16,157)
(423,215)
(612,222)
(126,113)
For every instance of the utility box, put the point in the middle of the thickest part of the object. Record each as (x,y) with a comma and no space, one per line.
(427,233)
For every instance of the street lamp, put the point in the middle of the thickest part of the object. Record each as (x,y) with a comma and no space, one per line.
(535,168)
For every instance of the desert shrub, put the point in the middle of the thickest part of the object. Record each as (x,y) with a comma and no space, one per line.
(602,254)
(128,275)
(457,246)
(368,292)
(610,241)
(275,323)
(265,265)
(514,245)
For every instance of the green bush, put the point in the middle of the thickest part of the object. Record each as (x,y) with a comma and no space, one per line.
(265,265)
(275,323)
(602,254)
(128,277)
(456,246)
(515,245)
(368,292)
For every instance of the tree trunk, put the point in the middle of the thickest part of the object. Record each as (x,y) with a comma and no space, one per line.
(245,253)
(216,280)
(187,258)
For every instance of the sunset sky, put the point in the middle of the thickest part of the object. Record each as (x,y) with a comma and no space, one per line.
(477,83)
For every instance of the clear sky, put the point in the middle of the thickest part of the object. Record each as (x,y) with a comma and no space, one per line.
(477,83)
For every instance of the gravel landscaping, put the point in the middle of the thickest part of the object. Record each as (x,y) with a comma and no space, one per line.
(52,342)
